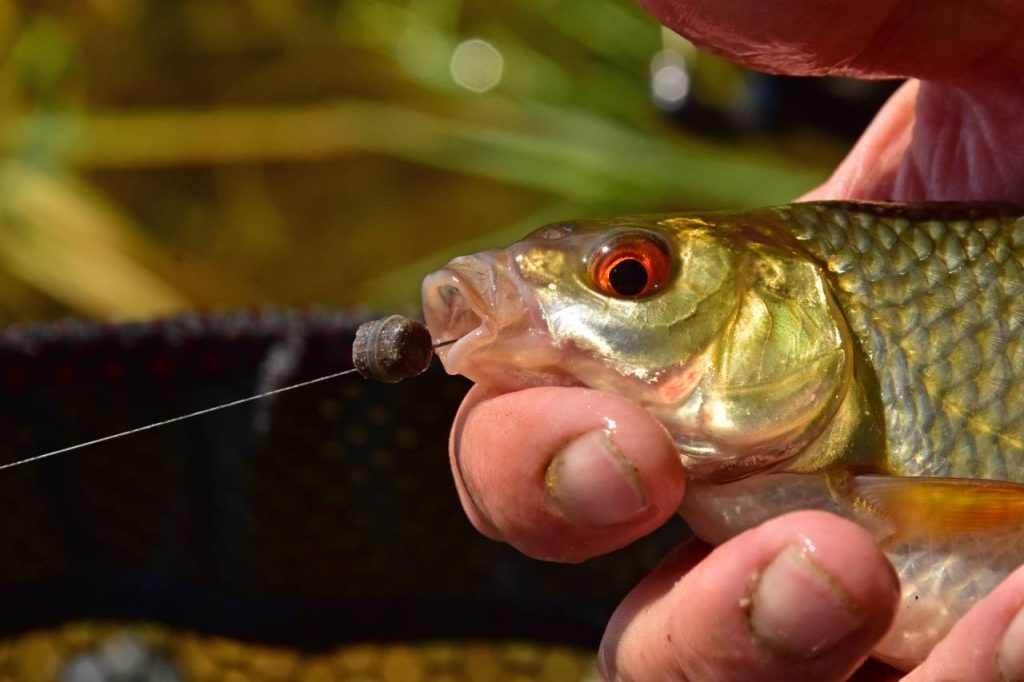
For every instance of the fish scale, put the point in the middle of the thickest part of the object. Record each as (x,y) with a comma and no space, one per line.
(948,350)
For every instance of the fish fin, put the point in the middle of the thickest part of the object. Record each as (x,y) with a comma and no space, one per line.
(940,506)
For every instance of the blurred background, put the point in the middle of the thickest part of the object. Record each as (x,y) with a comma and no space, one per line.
(159,157)
(196,158)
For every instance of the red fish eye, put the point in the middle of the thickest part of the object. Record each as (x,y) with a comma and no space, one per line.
(630,266)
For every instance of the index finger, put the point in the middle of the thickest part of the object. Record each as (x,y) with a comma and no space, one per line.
(940,40)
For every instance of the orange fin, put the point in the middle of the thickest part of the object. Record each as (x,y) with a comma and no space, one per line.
(941,506)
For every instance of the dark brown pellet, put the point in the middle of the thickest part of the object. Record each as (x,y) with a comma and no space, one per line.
(392,349)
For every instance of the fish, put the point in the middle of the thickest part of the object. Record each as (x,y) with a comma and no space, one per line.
(866,359)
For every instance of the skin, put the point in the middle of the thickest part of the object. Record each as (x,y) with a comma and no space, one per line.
(950,134)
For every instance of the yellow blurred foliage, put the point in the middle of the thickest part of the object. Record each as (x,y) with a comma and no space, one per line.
(229,154)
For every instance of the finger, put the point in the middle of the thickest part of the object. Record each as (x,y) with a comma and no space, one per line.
(933,142)
(872,167)
(944,40)
(804,596)
(953,138)
(563,473)
(986,644)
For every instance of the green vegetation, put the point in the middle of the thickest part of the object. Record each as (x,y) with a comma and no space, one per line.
(218,154)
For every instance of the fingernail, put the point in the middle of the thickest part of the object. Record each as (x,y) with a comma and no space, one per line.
(1011,650)
(593,484)
(797,609)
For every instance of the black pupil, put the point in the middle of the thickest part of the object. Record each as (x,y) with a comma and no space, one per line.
(628,277)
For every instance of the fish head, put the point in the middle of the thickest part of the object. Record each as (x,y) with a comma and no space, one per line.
(726,334)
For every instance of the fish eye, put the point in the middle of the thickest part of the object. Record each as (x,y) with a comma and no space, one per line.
(633,265)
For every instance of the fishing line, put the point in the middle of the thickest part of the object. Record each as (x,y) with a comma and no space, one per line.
(197,413)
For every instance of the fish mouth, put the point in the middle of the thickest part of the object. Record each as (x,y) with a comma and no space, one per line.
(455,309)
(500,338)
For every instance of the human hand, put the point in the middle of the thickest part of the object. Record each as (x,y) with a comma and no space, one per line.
(953,135)
(541,470)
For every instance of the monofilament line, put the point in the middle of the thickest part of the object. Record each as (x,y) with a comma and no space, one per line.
(165,422)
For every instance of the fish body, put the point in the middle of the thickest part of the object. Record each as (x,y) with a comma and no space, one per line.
(865,359)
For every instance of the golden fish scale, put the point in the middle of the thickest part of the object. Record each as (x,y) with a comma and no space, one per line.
(935,297)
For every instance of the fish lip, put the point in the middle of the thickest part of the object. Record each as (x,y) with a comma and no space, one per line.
(503,339)
(454,308)
(500,337)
